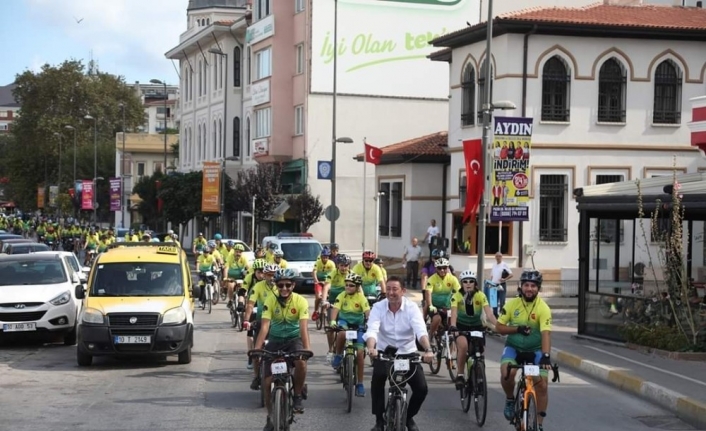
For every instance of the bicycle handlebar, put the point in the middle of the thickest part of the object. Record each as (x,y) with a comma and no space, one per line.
(414,358)
(337,329)
(297,354)
(555,371)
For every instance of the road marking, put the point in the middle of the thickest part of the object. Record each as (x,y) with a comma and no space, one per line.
(698,382)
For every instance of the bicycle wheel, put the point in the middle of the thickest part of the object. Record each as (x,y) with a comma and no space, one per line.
(239,326)
(350,381)
(233,318)
(209,300)
(480,391)
(279,409)
(448,348)
(529,416)
(320,320)
(435,364)
(262,383)
(399,421)
(214,292)
(519,402)
(467,391)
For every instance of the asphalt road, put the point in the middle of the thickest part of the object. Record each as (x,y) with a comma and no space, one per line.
(41,388)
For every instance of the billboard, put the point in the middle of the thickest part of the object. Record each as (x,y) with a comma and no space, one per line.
(383,44)
(115,197)
(87,195)
(211,187)
(511,169)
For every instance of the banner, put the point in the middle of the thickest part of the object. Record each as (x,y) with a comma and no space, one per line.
(372,154)
(211,187)
(40,197)
(511,169)
(53,196)
(115,194)
(87,195)
(473,156)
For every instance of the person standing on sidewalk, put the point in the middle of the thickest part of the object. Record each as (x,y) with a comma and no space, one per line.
(410,261)
(432,232)
(500,274)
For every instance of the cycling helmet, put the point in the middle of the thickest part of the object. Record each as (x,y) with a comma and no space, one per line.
(278,253)
(435,254)
(369,255)
(211,243)
(285,274)
(343,259)
(218,237)
(259,252)
(468,274)
(441,262)
(378,261)
(326,251)
(238,247)
(533,276)
(333,246)
(259,264)
(271,268)
(273,246)
(354,278)
(230,243)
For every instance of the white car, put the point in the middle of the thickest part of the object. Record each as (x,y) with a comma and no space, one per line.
(37,295)
(248,253)
(73,262)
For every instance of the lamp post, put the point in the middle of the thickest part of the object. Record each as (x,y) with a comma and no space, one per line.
(67,127)
(377,220)
(333,180)
(95,163)
(223,55)
(122,171)
(164,83)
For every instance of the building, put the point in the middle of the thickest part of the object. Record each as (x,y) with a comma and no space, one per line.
(158,116)
(214,95)
(8,107)
(698,123)
(607,102)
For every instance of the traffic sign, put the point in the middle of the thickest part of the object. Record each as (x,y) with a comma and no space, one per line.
(332,212)
(324,170)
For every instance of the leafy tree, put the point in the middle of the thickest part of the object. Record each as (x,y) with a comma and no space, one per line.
(146,189)
(181,194)
(307,208)
(51,99)
(262,181)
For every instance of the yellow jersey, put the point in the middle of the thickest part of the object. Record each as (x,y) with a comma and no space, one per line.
(284,318)
(205,262)
(352,308)
(441,289)
(337,280)
(259,294)
(469,310)
(536,314)
(371,278)
(282,263)
(323,269)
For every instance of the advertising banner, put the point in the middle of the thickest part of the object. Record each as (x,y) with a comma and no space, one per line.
(40,197)
(53,196)
(383,45)
(509,189)
(115,194)
(210,188)
(87,195)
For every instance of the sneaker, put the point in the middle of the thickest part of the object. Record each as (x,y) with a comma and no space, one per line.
(336,363)
(255,385)
(229,305)
(315,316)
(269,426)
(540,427)
(250,366)
(411,425)
(240,307)
(359,390)
(460,382)
(329,357)
(297,404)
(509,411)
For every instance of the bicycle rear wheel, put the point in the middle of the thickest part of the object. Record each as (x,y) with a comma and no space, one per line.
(466,393)
(209,300)
(262,383)
(480,391)
(349,382)
(320,320)
(214,293)
(529,417)
(279,409)
(435,364)
(233,318)
(448,348)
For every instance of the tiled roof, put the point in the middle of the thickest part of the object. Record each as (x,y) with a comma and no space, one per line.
(429,145)
(7,99)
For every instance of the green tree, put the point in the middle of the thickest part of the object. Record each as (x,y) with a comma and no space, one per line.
(264,183)
(146,189)
(51,99)
(181,194)
(307,208)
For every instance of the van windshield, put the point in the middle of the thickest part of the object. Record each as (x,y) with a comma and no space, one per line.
(301,251)
(138,279)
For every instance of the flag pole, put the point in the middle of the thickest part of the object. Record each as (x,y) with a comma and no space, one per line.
(365,186)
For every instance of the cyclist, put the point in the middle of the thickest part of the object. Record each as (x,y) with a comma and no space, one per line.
(378,261)
(91,245)
(437,293)
(235,269)
(199,243)
(278,259)
(204,263)
(322,269)
(527,322)
(334,286)
(285,319)
(257,274)
(370,274)
(428,268)
(334,251)
(467,307)
(258,295)
(351,311)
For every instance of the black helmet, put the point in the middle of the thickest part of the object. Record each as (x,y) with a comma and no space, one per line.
(533,276)
(343,259)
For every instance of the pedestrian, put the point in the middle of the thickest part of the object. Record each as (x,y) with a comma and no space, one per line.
(432,232)
(410,260)
(500,274)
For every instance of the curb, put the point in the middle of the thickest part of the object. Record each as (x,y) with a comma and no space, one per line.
(686,408)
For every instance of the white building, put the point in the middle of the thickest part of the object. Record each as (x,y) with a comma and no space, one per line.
(610,102)
(9,107)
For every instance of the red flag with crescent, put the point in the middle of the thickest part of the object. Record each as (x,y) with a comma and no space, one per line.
(372,154)
(473,155)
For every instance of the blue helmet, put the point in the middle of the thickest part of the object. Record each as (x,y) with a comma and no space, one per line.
(285,274)
(325,251)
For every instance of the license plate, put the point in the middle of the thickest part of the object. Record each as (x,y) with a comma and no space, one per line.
(351,335)
(476,334)
(279,368)
(19,327)
(132,339)
(401,365)
(531,370)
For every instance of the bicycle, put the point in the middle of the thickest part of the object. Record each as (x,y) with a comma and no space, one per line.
(349,365)
(475,384)
(236,317)
(525,416)
(282,395)
(442,346)
(207,278)
(396,407)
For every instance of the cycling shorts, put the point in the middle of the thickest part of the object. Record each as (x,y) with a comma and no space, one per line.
(512,356)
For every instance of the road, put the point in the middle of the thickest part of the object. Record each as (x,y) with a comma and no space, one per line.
(42,388)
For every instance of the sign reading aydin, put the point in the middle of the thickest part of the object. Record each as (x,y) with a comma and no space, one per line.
(383,44)
(511,169)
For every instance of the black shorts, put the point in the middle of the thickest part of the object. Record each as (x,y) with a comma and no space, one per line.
(242,292)
(480,342)
(254,327)
(286,346)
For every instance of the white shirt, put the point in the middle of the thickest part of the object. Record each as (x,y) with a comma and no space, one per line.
(497,271)
(399,329)
(432,231)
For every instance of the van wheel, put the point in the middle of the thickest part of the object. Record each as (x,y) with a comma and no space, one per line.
(70,337)
(185,356)
(83,359)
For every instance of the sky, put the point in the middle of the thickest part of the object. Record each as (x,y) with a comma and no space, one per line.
(126,37)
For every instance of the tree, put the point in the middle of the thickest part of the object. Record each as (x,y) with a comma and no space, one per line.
(263,182)
(51,99)
(181,194)
(146,189)
(307,208)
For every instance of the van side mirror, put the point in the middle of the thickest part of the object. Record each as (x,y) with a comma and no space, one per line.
(80,291)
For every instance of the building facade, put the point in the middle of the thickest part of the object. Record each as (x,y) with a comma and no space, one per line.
(609,104)
(8,108)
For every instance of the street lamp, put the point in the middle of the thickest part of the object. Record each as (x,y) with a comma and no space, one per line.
(67,127)
(95,163)
(122,171)
(333,181)
(164,83)
(219,52)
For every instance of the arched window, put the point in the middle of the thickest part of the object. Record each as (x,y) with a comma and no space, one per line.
(482,88)
(468,98)
(612,91)
(237,72)
(556,82)
(667,103)
(236,136)
(248,151)
(216,150)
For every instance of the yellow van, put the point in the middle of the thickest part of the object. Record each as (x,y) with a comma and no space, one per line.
(139,301)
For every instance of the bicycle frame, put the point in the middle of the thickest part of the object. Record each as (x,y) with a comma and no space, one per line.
(526,387)
(397,393)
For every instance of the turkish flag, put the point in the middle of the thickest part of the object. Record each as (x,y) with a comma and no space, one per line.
(473,155)
(372,154)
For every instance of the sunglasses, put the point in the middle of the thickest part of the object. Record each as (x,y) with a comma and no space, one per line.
(442,268)
(285,285)
(468,281)
(351,285)
(368,261)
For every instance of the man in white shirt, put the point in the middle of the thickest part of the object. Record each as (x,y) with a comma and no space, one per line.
(500,274)
(396,323)
(432,232)
(411,257)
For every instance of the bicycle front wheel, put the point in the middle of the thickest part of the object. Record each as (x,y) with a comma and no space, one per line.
(279,409)
(320,320)
(480,391)
(466,393)
(214,293)
(449,347)
(233,318)
(209,302)
(435,364)
(529,417)
(349,381)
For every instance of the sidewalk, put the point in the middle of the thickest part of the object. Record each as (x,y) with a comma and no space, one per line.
(555,302)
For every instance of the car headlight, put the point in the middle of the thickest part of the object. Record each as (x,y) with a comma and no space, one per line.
(61,299)
(174,316)
(91,315)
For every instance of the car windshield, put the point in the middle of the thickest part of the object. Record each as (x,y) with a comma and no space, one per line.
(31,272)
(27,248)
(137,279)
(301,251)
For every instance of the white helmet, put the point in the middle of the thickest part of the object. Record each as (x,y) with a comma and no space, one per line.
(468,274)
(271,268)
(441,262)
